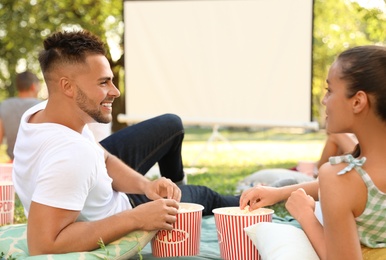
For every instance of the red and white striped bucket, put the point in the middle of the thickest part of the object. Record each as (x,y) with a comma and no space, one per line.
(5,172)
(7,203)
(233,240)
(184,238)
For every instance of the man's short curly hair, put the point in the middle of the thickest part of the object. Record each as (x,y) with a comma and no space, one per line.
(69,47)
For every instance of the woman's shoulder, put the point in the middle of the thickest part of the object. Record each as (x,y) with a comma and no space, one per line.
(340,182)
(338,173)
(333,166)
(340,165)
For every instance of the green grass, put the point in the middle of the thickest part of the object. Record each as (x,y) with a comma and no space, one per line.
(222,163)
(237,153)
(225,162)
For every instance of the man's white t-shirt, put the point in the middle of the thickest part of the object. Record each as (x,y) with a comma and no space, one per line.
(56,166)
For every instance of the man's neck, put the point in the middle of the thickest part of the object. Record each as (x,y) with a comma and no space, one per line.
(26,94)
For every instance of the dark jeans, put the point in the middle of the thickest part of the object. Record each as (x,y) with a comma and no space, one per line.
(159,140)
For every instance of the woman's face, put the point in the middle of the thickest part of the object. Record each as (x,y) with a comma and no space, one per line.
(338,106)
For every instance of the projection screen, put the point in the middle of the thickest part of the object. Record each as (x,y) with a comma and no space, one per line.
(219,62)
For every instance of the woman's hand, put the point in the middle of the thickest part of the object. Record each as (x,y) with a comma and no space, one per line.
(259,196)
(299,204)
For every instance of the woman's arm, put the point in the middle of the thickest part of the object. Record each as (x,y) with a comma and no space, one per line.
(340,196)
(261,196)
(302,206)
(336,144)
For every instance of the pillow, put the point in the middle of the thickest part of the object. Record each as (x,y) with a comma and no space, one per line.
(272,177)
(276,241)
(13,242)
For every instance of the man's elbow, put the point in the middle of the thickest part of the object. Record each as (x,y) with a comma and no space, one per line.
(36,247)
(43,248)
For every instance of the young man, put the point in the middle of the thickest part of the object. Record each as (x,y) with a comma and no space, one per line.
(11,109)
(76,191)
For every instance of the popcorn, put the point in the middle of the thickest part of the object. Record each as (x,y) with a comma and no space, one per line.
(245,211)
(188,207)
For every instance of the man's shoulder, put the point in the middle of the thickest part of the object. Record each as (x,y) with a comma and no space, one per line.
(62,136)
(52,138)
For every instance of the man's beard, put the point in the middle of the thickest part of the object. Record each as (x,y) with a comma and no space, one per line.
(86,104)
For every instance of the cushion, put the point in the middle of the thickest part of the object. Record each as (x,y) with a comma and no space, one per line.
(373,253)
(13,243)
(276,241)
(273,177)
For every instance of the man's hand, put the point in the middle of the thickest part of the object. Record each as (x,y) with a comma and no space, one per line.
(162,188)
(158,214)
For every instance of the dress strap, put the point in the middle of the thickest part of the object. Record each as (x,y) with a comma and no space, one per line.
(352,162)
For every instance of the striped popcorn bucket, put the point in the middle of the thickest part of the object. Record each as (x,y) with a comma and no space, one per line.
(7,203)
(5,172)
(233,240)
(184,238)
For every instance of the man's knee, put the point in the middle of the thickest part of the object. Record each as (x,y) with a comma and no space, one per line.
(174,121)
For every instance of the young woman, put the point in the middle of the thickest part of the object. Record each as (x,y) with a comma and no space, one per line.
(352,188)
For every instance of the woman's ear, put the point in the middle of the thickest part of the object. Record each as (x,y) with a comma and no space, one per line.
(359,101)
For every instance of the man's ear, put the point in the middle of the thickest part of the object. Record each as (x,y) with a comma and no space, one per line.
(359,101)
(66,86)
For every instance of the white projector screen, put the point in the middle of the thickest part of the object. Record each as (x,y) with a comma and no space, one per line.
(219,62)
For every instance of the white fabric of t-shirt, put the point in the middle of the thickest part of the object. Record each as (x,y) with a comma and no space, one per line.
(58,167)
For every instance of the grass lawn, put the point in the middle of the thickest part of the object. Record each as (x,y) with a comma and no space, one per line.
(234,154)
(221,163)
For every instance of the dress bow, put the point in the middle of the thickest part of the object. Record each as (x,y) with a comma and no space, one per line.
(352,162)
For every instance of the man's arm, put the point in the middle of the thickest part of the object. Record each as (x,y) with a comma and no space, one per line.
(54,230)
(127,180)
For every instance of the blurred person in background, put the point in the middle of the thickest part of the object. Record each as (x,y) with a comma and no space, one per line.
(27,86)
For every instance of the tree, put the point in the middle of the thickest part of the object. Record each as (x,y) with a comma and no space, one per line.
(338,25)
(24,24)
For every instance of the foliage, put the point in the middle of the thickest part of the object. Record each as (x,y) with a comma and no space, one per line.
(19,216)
(24,24)
(3,257)
(139,250)
(338,24)
(102,245)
